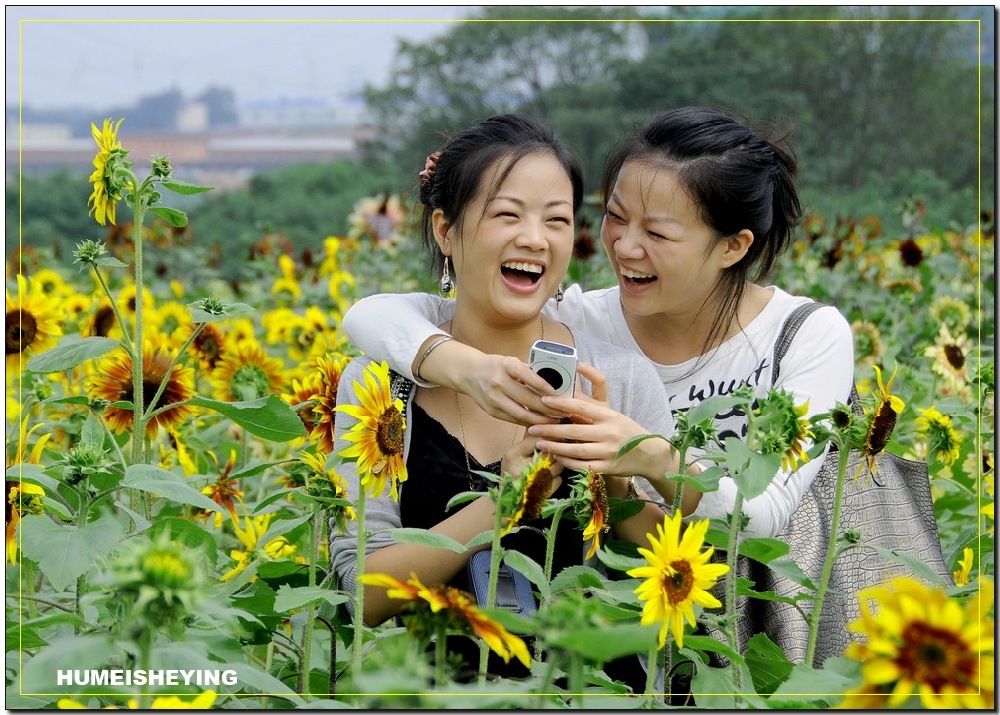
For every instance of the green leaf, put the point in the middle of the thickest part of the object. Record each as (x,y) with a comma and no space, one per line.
(267,417)
(153,479)
(432,540)
(68,653)
(710,645)
(91,434)
(71,400)
(789,569)
(292,599)
(64,552)
(188,533)
(710,407)
(764,550)
(111,262)
(705,481)
(759,473)
(577,577)
(635,441)
(182,187)
(273,497)
(177,219)
(530,568)
(619,562)
(622,509)
(72,351)
(21,637)
(711,687)
(283,526)
(808,684)
(608,642)
(918,567)
(233,310)
(768,665)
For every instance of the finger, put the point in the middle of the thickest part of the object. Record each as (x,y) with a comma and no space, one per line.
(522,373)
(584,407)
(599,383)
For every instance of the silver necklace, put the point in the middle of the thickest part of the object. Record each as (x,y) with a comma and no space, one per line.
(461,426)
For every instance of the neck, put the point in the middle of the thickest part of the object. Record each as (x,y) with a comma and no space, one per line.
(496,339)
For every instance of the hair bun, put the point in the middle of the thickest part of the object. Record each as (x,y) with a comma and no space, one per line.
(430,166)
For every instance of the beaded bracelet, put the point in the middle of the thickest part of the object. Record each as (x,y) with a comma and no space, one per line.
(420,363)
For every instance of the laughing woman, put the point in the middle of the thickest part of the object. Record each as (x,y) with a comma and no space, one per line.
(499,201)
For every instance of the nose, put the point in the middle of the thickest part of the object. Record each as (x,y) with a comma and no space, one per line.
(531,236)
(628,242)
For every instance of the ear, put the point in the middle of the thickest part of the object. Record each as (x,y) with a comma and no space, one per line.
(735,247)
(440,226)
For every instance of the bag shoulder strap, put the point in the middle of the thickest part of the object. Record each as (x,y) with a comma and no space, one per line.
(792,324)
(400,386)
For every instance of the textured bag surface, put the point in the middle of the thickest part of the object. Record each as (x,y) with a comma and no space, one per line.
(893,510)
(513,588)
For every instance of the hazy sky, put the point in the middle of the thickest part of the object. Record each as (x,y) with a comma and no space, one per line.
(98,57)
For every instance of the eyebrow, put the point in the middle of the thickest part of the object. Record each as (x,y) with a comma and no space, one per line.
(651,218)
(519,202)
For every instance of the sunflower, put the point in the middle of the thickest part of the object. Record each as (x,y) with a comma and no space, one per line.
(127,298)
(75,306)
(961,576)
(868,346)
(988,508)
(204,701)
(22,497)
(678,576)
(52,283)
(326,378)
(943,441)
(275,549)
(922,643)
(33,324)
(911,254)
(171,319)
(209,345)
(882,423)
(327,484)
(108,180)
(779,426)
(246,373)
(102,323)
(378,432)
(288,285)
(240,330)
(532,489)
(590,502)
(952,313)
(456,607)
(224,491)
(112,381)
(300,398)
(279,324)
(950,357)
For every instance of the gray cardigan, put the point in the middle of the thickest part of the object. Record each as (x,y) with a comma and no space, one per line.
(634,389)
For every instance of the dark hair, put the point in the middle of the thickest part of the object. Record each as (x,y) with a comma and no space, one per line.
(466,158)
(738,179)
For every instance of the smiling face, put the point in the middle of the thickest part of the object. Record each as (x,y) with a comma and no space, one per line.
(514,245)
(666,258)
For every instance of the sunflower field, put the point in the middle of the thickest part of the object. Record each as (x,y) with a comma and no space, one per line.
(172,484)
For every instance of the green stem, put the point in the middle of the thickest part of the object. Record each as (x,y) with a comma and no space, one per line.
(110,436)
(307,628)
(491,591)
(576,678)
(550,541)
(831,549)
(114,305)
(730,585)
(145,649)
(138,421)
(440,653)
(651,670)
(359,588)
(679,488)
(550,669)
(171,406)
(173,362)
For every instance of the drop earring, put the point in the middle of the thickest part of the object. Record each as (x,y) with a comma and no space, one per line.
(446,282)
(559,295)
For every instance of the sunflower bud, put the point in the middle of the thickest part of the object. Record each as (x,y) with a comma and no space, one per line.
(161,166)
(85,462)
(88,252)
(212,305)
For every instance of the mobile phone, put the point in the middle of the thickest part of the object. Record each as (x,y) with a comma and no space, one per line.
(556,364)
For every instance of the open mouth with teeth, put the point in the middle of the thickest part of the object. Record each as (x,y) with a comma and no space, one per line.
(634,277)
(522,274)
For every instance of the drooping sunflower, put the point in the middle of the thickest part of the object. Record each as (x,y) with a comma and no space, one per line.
(33,324)
(111,380)
(378,433)
(532,489)
(868,345)
(590,505)
(881,423)
(326,378)
(779,426)
(920,642)
(209,345)
(247,372)
(457,608)
(950,355)
(678,576)
(942,439)
(109,184)
(224,491)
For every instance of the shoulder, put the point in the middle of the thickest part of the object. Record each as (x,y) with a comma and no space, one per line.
(614,361)
(823,319)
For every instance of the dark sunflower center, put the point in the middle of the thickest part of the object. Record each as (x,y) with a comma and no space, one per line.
(536,492)
(149,389)
(103,320)
(911,253)
(389,434)
(936,656)
(678,584)
(21,331)
(954,355)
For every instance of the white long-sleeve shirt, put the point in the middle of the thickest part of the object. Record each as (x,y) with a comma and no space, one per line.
(818,367)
